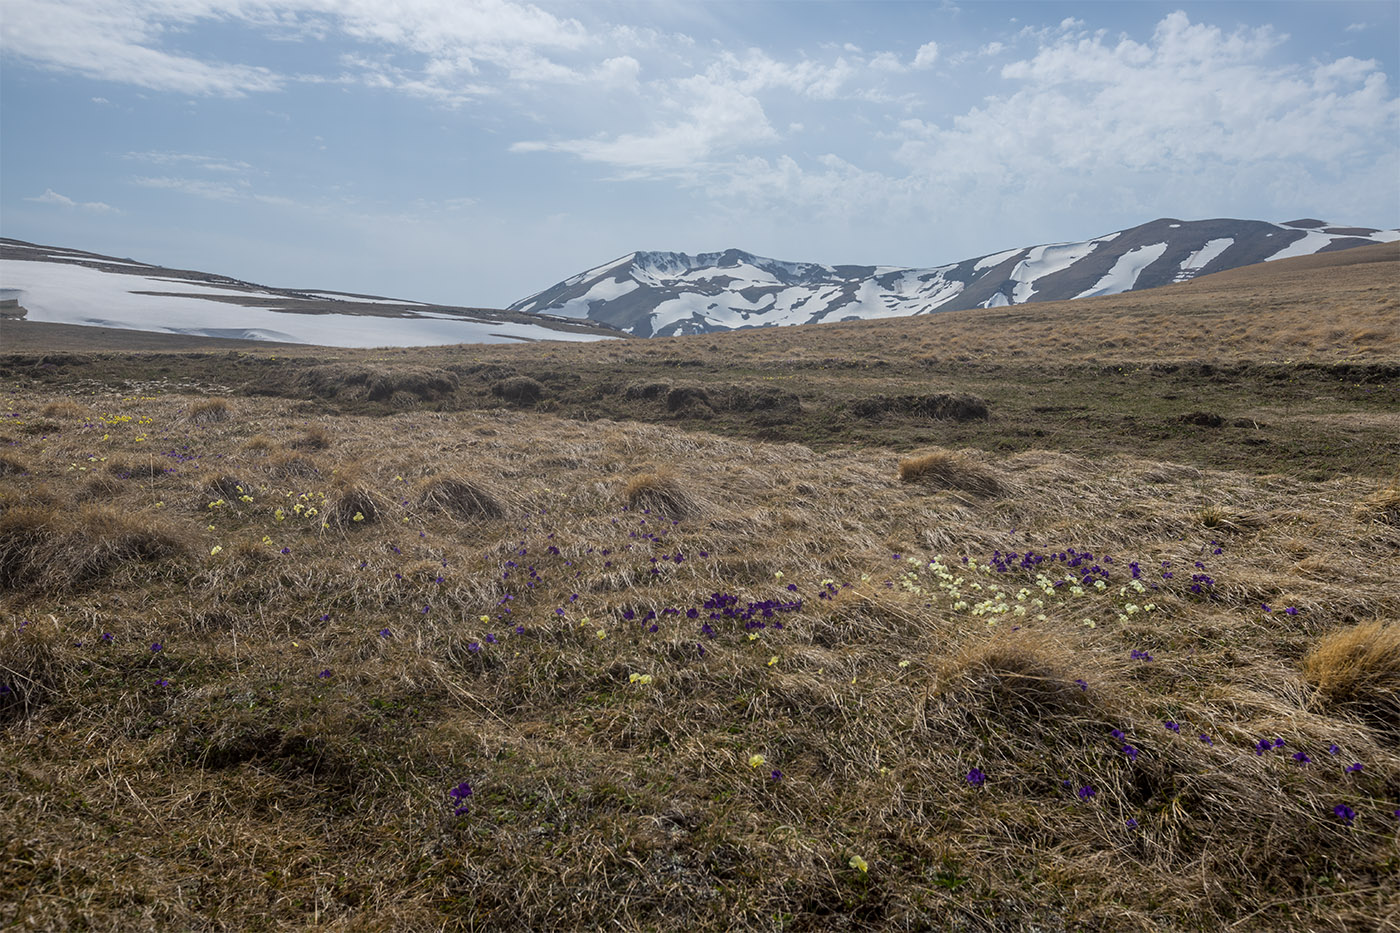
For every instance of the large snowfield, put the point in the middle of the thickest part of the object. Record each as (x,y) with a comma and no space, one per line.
(63,293)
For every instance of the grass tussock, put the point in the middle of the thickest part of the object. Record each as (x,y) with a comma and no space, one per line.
(1016,674)
(210,411)
(10,465)
(663,493)
(291,465)
(463,498)
(48,548)
(353,504)
(1357,670)
(65,409)
(1381,507)
(947,469)
(313,437)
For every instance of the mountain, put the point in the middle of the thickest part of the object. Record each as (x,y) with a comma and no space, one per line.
(663,294)
(67,286)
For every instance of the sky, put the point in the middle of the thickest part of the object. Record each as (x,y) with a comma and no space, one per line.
(473,152)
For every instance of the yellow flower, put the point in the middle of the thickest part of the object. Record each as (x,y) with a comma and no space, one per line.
(753,636)
(486,618)
(778,575)
(756,761)
(859,864)
(602,634)
(359,517)
(216,549)
(904,663)
(773,660)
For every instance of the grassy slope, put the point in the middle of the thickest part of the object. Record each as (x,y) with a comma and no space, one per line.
(223,783)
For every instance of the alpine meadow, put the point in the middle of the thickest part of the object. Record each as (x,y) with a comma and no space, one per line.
(1062,616)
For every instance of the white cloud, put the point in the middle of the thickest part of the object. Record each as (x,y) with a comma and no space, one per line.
(209,190)
(715,117)
(208,163)
(927,55)
(116,41)
(51,196)
(1192,121)
(1358,27)
(128,41)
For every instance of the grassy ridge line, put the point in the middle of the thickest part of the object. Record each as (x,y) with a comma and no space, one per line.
(221,782)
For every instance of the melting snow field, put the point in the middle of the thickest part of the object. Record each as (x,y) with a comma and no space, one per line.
(1123,276)
(61,293)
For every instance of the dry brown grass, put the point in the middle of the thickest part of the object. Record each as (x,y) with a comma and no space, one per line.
(313,437)
(53,549)
(10,465)
(223,783)
(66,409)
(1357,670)
(210,411)
(947,469)
(1382,506)
(662,492)
(463,497)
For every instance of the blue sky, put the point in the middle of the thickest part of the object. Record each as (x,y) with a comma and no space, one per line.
(476,151)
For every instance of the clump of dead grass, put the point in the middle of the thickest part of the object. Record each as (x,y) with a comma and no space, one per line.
(287,465)
(210,411)
(1357,670)
(51,548)
(463,498)
(354,503)
(1382,506)
(65,408)
(313,437)
(661,492)
(947,469)
(10,465)
(1018,673)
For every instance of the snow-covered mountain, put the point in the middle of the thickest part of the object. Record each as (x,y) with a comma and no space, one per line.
(66,286)
(662,294)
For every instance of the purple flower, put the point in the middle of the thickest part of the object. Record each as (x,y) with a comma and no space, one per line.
(474,647)
(490,639)
(1354,768)
(326,617)
(324,674)
(775,775)
(1130,823)
(1083,684)
(157,647)
(1262,746)
(162,683)
(1344,813)
(385,633)
(1118,734)
(1131,752)
(1171,726)
(1292,610)
(1265,607)
(976,777)
(287,550)
(1301,757)
(1087,791)
(1334,749)
(460,793)
(1207,739)
(520,630)
(107,637)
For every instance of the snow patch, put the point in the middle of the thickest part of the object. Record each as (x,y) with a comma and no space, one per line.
(1125,271)
(63,293)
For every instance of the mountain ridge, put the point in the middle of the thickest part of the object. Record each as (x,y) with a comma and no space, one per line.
(660,293)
